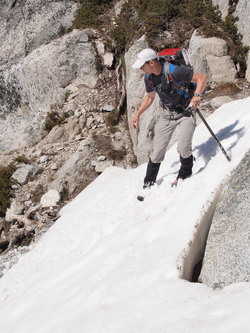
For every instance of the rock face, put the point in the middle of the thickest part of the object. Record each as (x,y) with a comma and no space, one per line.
(39,81)
(242,12)
(219,101)
(118,7)
(227,255)
(248,68)
(243,24)
(52,71)
(28,24)
(142,138)
(210,56)
(223,6)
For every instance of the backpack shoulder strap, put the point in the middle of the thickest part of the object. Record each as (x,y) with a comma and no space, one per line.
(149,79)
(168,70)
(171,68)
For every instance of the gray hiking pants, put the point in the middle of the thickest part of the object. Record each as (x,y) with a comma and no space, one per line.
(163,132)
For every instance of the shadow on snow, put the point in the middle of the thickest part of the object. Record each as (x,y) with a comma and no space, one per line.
(210,148)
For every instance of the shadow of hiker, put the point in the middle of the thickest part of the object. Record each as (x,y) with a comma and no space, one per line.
(210,148)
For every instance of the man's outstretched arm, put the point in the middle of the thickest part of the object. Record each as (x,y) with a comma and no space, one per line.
(147,101)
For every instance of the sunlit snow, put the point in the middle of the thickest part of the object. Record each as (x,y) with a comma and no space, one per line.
(113,264)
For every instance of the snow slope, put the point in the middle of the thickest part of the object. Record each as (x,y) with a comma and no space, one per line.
(112,264)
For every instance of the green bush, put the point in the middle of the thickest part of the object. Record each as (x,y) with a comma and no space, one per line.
(103,143)
(89,14)
(128,28)
(180,17)
(154,17)
(237,50)
(5,187)
(22,159)
(54,118)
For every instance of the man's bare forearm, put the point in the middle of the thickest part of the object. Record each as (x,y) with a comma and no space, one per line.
(146,103)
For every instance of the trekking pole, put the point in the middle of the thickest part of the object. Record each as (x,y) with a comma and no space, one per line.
(213,135)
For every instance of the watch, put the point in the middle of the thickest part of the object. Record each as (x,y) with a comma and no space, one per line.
(196,94)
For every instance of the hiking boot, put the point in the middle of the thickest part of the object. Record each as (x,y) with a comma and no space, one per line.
(186,167)
(145,190)
(148,184)
(152,172)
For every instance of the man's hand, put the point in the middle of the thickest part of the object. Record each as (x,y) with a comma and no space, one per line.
(135,121)
(201,81)
(147,101)
(195,102)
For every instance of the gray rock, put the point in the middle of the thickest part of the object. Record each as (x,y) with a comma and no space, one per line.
(227,253)
(108,108)
(216,102)
(108,59)
(100,47)
(16,208)
(242,12)
(118,6)
(221,69)
(223,6)
(74,171)
(135,87)
(101,158)
(23,174)
(39,81)
(54,166)
(44,159)
(248,68)
(101,166)
(28,24)
(50,199)
(210,56)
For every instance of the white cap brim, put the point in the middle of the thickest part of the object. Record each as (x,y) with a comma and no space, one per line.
(138,63)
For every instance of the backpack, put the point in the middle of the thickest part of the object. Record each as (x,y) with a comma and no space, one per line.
(170,58)
(177,56)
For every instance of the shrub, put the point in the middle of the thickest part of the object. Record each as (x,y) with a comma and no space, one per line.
(22,159)
(37,193)
(181,17)
(64,196)
(111,119)
(103,144)
(5,187)
(89,14)
(153,17)
(117,154)
(128,28)
(54,118)
(237,50)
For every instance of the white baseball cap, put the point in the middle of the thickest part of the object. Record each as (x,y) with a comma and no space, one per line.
(144,56)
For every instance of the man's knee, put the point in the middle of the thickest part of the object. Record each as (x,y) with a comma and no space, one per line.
(157,159)
(184,150)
